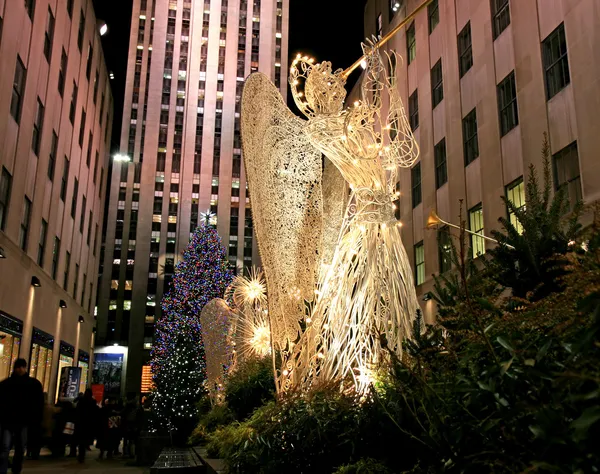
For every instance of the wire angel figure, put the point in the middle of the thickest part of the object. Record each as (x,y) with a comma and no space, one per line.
(365,299)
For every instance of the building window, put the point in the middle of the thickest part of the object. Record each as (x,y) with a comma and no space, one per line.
(30,7)
(515,194)
(411,43)
(52,156)
(416,185)
(16,102)
(73,105)
(566,172)
(74,202)
(437,84)
(67,265)
(5,188)
(476,226)
(82,220)
(470,140)
(42,244)
(500,16)
(81,31)
(556,62)
(64,180)
(379,26)
(62,72)
(76,281)
(433,13)
(441,169)
(444,249)
(55,254)
(82,128)
(465,50)
(24,232)
(507,104)
(90,60)
(70,8)
(49,36)
(36,137)
(419,264)
(413,110)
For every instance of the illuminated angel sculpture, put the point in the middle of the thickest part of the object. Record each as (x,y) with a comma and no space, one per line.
(365,298)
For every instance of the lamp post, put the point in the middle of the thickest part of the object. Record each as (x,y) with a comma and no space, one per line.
(434,220)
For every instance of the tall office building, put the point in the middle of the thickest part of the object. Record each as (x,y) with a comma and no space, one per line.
(181,128)
(55,130)
(481,82)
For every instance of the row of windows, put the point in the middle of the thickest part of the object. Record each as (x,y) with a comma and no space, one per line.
(566,174)
(554,54)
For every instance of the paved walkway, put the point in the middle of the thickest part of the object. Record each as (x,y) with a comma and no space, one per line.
(92,465)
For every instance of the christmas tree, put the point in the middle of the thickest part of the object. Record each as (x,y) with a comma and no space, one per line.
(178,363)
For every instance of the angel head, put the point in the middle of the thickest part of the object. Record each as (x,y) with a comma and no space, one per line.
(324,89)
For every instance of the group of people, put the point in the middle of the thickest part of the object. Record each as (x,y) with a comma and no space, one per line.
(27,421)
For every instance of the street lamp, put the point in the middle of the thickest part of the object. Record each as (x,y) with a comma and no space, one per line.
(121,157)
(434,220)
(62,303)
(35,281)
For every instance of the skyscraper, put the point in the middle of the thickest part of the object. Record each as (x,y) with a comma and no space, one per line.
(55,131)
(181,129)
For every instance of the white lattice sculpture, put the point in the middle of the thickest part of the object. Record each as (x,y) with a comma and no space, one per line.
(216,320)
(365,297)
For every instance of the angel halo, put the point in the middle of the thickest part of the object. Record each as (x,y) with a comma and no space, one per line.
(363,302)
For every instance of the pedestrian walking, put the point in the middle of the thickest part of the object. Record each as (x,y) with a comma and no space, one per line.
(131,423)
(21,407)
(84,423)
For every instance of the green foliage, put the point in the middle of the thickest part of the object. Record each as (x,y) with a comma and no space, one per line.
(250,386)
(533,266)
(316,432)
(364,466)
(217,417)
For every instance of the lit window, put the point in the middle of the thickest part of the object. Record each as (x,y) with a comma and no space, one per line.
(515,193)
(128,285)
(419,264)
(114,284)
(476,226)
(112,305)
(127,305)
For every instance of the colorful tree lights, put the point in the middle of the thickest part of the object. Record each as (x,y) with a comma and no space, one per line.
(178,362)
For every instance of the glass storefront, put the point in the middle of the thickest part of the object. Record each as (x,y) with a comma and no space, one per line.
(67,352)
(9,352)
(10,342)
(40,365)
(84,363)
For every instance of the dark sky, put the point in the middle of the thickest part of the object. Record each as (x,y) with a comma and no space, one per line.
(324,29)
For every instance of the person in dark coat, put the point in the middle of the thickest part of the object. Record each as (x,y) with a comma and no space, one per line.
(84,423)
(21,408)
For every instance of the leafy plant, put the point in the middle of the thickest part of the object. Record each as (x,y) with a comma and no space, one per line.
(250,386)
(531,261)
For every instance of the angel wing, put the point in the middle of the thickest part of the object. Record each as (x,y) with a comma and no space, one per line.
(284,173)
(216,319)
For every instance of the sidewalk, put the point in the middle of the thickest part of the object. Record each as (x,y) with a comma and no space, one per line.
(92,465)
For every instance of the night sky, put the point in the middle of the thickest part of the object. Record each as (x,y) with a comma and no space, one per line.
(324,29)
